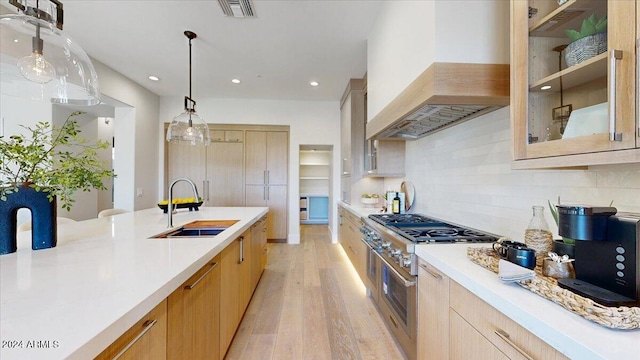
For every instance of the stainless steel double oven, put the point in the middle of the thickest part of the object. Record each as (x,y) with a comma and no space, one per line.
(392,265)
(392,288)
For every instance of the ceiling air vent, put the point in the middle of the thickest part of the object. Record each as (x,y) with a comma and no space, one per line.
(237,8)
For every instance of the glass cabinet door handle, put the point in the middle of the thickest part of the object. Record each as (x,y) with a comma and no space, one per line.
(614,55)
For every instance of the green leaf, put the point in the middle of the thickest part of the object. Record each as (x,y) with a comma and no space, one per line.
(573,35)
(588,28)
(554,212)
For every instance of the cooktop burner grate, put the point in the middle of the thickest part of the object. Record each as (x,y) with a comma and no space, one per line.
(418,228)
(402,219)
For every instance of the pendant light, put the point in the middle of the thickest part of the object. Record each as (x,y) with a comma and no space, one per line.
(38,61)
(189,126)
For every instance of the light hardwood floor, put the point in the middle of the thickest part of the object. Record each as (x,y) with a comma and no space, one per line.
(310,304)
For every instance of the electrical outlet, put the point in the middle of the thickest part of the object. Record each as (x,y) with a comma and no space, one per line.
(139,192)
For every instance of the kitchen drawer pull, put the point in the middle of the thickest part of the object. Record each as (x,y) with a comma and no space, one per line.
(189,287)
(147,326)
(614,56)
(505,336)
(393,321)
(241,239)
(431,272)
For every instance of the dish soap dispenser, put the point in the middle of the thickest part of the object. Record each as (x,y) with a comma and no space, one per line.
(538,236)
(395,204)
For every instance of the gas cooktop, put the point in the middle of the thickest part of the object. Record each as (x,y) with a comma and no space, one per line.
(418,228)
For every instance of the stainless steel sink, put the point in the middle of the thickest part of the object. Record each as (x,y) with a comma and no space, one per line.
(194,232)
(197,229)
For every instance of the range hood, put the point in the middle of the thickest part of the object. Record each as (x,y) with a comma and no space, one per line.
(443,95)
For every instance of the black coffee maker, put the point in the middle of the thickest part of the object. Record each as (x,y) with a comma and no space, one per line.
(607,253)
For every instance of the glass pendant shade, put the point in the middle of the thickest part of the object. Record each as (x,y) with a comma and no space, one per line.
(189,127)
(38,61)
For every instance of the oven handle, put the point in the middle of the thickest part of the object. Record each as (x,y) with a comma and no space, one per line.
(405,281)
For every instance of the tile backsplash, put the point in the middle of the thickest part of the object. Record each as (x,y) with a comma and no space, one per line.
(463,174)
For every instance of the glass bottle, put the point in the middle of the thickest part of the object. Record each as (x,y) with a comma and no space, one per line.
(395,205)
(538,236)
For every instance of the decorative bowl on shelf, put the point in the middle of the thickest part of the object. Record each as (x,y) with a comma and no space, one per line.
(585,48)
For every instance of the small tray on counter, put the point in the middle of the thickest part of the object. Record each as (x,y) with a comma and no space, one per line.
(622,318)
(191,206)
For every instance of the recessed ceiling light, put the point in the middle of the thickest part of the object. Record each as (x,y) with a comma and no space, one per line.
(154,78)
(314,83)
(546,87)
(235,81)
(16,40)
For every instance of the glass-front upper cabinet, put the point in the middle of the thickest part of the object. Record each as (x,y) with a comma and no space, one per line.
(573,72)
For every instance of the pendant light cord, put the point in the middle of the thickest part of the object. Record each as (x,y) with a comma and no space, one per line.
(190,68)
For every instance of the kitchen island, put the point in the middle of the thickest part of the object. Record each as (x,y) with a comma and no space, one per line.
(74,300)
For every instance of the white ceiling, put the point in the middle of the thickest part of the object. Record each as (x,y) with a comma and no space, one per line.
(275,55)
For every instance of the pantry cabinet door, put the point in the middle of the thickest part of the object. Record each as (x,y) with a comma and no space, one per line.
(225,174)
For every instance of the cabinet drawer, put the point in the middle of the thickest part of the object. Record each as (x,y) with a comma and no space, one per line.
(468,343)
(227,135)
(510,338)
(234,136)
(147,339)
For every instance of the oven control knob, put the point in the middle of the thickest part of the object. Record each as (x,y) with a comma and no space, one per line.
(375,236)
(386,244)
(393,253)
(406,261)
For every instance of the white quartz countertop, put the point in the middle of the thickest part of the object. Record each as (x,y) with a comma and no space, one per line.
(74,300)
(569,333)
(361,210)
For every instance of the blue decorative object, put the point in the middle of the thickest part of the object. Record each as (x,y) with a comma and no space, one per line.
(43,216)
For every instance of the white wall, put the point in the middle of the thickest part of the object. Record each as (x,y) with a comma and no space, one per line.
(463,174)
(310,122)
(136,141)
(408,36)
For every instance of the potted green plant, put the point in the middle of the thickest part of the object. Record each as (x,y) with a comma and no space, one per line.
(51,162)
(590,41)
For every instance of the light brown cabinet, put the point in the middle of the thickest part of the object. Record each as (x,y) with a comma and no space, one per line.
(215,169)
(227,135)
(467,343)
(349,237)
(199,319)
(453,323)
(433,313)
(194,316)
(225,174)
(385,158)
(186,161)
(496,329)
(147,339)
(352,126)
(266,174)
(258,250)
(274,197)
(236,287)
(267,154)
(572,114)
